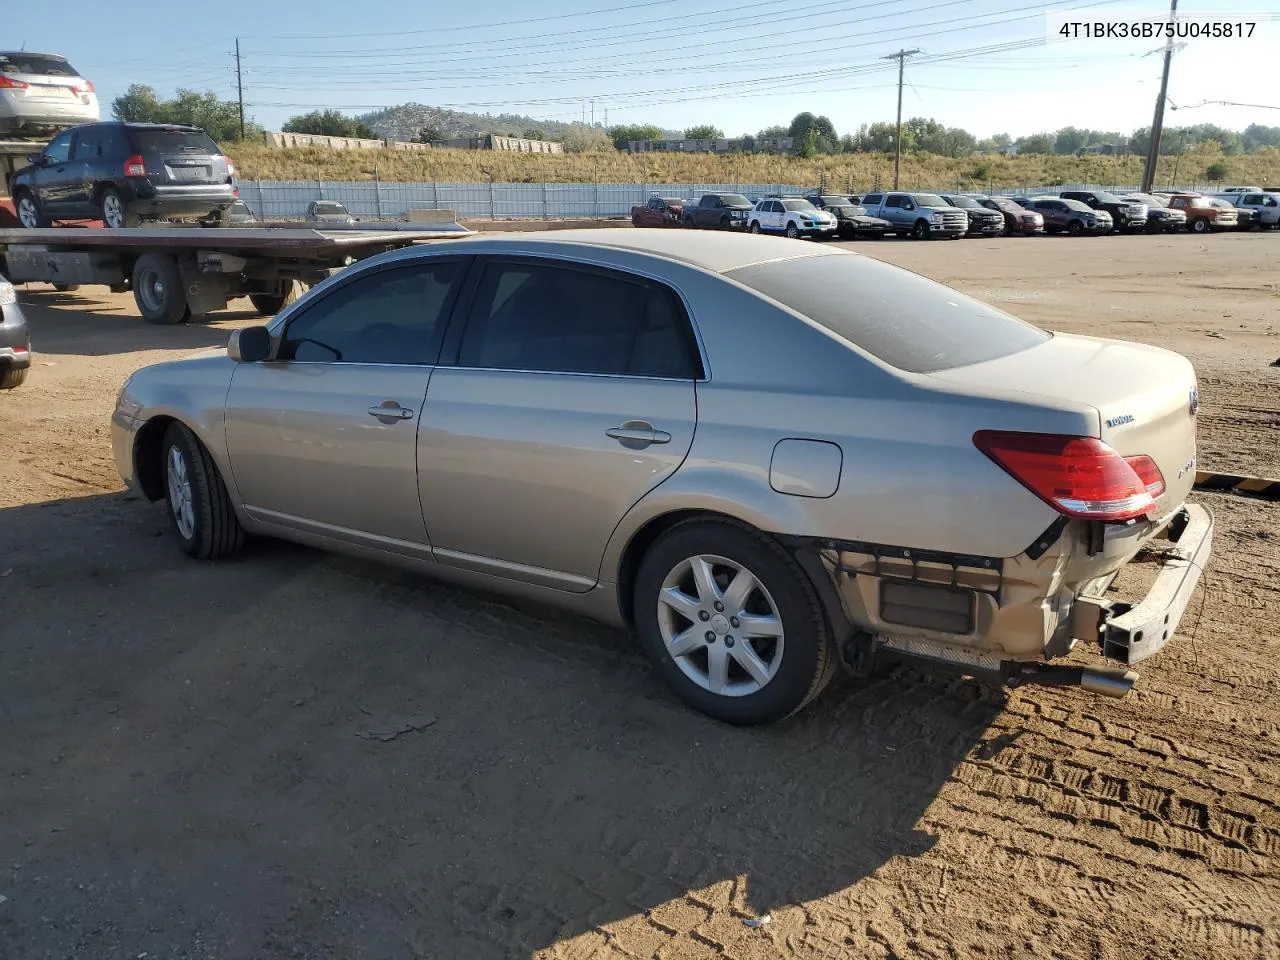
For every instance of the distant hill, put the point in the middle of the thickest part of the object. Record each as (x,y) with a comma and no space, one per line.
(404,122)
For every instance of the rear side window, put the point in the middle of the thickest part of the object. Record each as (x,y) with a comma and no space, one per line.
(36,63)
(172,141)
(552,319)
(901,318)
(871,199)
(389,316)
(894,201)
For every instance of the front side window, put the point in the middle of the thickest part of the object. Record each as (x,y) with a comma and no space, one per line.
(895,201)
(59,148)
(552,319)
(388,316)
(871,199)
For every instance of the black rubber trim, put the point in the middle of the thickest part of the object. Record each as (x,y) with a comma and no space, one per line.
(1047,539)
(909,553)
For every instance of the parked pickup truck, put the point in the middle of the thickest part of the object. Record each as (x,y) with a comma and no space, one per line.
(982,222)
(1202,215)
(723,211)
(1266,204)
(1126,217)
(658,212)
(918,215)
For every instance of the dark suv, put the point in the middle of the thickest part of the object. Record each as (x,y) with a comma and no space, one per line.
(1125,216)
(123,173)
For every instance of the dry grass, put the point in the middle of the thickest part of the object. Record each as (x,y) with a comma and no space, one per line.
(848,172)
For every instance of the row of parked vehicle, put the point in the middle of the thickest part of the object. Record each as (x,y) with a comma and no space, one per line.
(924,216)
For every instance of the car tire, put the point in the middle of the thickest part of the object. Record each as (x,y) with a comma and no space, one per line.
(724,223)
(792,231)
(1075,228)
(200,510)
(921,230)
(786,671)
(158,290)
(28,209)
(269,304)
(755,226)
(66,287)
(1199,225)
(113,212)
(13,377)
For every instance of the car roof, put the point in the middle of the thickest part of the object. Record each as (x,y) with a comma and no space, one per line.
(32,53)
(162,126)
(715,251)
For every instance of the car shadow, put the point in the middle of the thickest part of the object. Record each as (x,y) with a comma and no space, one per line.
(92,322)
(296,754)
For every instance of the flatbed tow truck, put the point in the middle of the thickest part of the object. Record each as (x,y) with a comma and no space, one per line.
(181,273)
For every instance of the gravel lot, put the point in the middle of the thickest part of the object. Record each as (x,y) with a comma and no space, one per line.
(188,768)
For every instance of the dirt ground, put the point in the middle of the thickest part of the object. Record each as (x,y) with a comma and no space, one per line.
(191,767)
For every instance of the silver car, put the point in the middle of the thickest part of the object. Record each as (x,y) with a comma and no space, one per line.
(764,457)
(41,93)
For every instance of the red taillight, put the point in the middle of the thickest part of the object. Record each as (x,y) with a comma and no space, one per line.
(231,169)
(84,86)
(8,83)
(1078,476)
(135,166)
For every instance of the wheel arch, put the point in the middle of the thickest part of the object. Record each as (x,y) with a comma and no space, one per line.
(148,456)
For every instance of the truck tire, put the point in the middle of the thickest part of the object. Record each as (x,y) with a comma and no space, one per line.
(158,290)
(29,212)
(1199,225)
(269,304)
(113,212)
(921,230)
(724,223)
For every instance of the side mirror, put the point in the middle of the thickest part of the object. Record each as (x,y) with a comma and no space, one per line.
(908,205)
(35,159)
(250,345)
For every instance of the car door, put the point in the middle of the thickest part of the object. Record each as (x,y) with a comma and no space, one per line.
(894,212)
(565,394)
(322,438)
(86,153)
(54,177)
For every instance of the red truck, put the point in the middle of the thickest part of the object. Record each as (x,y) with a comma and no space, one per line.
(659,212)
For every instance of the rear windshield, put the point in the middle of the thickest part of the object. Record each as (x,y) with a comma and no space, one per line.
(37,63)
(1006,205)
(904,319)
(172,141)
(330,206)
(929,200)
(965,203)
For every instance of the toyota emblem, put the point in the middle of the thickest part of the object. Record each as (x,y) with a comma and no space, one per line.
(1195,400)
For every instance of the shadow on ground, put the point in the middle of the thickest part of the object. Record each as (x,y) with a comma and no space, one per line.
(293,754)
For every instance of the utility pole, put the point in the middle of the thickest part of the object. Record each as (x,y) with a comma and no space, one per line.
(593,113)
(1157,122)
(239,88)
(901,57)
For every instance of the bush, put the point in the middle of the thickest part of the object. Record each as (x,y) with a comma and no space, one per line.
(1216,171)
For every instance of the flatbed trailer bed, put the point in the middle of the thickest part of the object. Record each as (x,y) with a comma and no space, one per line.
(180,273)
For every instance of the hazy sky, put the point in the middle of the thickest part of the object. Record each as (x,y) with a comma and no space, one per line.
(670,62)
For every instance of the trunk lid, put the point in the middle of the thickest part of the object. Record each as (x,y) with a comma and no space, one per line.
(180,156)
(1145,397)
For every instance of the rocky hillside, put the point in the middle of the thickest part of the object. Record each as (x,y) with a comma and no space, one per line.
(404,122)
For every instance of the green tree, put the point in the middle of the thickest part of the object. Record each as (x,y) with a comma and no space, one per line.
(1070,140)
(329,123)
(430,135)
(772,133)
(219,118)
(1216,171)
(623,134)
(138,105)
(807,143)
(1036,143)
(534,133)
(580,138)
(704,132)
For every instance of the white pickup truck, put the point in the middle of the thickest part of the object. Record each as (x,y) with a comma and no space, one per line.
(921,216)
(1267,205)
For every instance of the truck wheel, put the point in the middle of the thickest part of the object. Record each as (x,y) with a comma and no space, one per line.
(1200,225)
(112,210)
(269,304)
(731,622)
(200,510)
(1075,228)
(724,223)
(921,230)
(29,213)
(157,289)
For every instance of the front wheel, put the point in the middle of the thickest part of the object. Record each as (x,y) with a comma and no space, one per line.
(29,214)
(731,622)
(792,231)
(200,510)
(1200,225)
(755,226)
(1075,228)
(921,230)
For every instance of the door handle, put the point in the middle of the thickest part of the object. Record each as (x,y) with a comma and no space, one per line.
(636,434)
(390,410)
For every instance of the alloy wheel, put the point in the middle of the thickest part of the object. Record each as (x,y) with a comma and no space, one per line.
(180,498)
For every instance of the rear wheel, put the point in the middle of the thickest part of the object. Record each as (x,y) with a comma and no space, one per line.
(732,623)
(200,510)
(269,304)
(157,289)
(12,377)
(921,230)
(29,213)
(112,210)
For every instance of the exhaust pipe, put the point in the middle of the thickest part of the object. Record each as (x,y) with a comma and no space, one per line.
(1099,680)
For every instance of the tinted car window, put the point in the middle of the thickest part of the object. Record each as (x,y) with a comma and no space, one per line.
(965,203)
(35,63)
(894,201)
(734,200)
(546,318)
(389,316)
(59,148)
(905,320)
(871,199)
(172,141)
